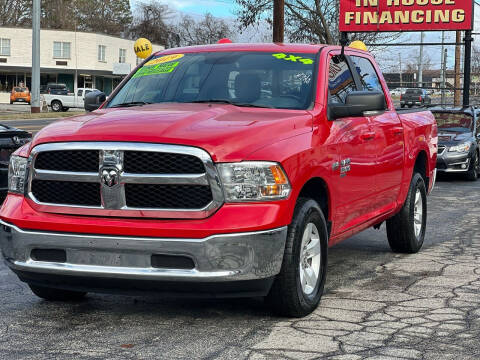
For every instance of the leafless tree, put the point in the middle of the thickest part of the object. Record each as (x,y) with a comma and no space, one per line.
(207,30)
(151,21)
(15,13)
(312,21)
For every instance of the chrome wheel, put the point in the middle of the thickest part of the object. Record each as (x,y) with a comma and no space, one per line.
(418,213)
(56,106)
(310,259)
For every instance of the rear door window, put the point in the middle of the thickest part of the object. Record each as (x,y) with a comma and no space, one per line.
(340,80)
(367,73)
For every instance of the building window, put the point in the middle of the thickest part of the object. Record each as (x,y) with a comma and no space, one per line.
(101,53)
(5,47)
(61,50)
(122,55)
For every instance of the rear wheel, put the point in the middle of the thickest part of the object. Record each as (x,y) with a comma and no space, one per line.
(52,294)
(472,173)
(56,106)
(298,288)
(406,230)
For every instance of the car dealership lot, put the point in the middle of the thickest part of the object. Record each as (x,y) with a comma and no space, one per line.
(377,305)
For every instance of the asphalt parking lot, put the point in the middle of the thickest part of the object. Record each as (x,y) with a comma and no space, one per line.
(377,306)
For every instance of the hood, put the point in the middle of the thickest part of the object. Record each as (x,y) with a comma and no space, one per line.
(227,132)
(450,137)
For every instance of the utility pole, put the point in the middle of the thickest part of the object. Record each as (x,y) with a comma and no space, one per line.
(278,20)
(444,75)
(467,68)
(458,39)
(35,93)
(420,62)
(400,61)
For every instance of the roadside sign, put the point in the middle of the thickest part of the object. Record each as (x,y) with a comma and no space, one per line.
(405,15)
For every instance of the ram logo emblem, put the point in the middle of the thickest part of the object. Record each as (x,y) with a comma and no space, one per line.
(110,177)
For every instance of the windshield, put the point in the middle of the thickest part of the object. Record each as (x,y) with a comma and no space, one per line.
(459,122)
(17,89)
(273,80)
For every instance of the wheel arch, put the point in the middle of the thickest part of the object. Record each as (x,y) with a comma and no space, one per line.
(316,188)
(421,166)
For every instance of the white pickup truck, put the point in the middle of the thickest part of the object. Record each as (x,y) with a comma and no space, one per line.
(64,102)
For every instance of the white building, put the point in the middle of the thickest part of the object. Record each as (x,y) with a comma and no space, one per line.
(77,59)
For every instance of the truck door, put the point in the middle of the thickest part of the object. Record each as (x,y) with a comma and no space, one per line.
(80,98)
(389,140)
(354,174)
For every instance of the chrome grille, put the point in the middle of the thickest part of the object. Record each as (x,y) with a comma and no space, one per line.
(124,179)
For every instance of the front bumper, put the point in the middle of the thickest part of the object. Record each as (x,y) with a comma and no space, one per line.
(218,258)
(453,162)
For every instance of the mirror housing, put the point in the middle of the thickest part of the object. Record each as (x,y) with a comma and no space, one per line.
(93,100)
(357,103)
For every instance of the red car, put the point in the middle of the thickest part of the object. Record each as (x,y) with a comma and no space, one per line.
(224,169)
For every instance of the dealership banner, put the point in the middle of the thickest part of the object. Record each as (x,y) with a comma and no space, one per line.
(405,15)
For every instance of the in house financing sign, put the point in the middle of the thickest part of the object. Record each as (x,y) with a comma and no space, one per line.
(405,15)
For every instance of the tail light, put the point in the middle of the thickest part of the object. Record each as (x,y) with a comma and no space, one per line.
(420,98)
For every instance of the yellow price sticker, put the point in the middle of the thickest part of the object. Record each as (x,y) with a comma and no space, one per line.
(164,59)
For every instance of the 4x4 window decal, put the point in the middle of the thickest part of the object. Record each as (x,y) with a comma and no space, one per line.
(293,58)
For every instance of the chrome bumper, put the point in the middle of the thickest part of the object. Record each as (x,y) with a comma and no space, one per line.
(229,257)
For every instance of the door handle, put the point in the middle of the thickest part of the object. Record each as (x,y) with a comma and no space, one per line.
(368,136)
(396,131)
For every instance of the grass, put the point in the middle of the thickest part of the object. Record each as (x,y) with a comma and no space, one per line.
(48,115)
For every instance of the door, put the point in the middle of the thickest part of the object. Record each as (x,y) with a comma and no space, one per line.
(354,174)
(389,140)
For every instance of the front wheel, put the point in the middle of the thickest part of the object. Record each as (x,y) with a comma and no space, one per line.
(298,288)
(52,294)
(406,230)
(472,173)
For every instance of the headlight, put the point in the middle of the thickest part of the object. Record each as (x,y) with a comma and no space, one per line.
(253,181)
(465,147)
(17,173)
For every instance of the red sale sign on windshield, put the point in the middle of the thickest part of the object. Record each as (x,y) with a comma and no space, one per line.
(405,15)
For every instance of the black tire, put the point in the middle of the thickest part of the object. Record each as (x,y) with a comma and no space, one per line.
(402,106)
(472,173)
(65,109)
(56,106)
(401,228)
(52,294)
(11,102)
(287,297)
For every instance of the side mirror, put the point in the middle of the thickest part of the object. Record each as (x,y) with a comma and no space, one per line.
(94,99)
(357,103)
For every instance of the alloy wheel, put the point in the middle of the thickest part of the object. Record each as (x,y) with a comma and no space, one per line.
(310,259)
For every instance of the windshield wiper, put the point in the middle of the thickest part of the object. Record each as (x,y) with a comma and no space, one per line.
(130,104)
(219,101)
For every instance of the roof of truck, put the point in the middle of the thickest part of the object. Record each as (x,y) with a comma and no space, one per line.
(274,47)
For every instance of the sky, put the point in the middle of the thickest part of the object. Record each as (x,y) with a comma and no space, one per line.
(219,8)
(226,9)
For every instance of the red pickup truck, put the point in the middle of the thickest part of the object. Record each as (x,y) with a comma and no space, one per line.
(224,170)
